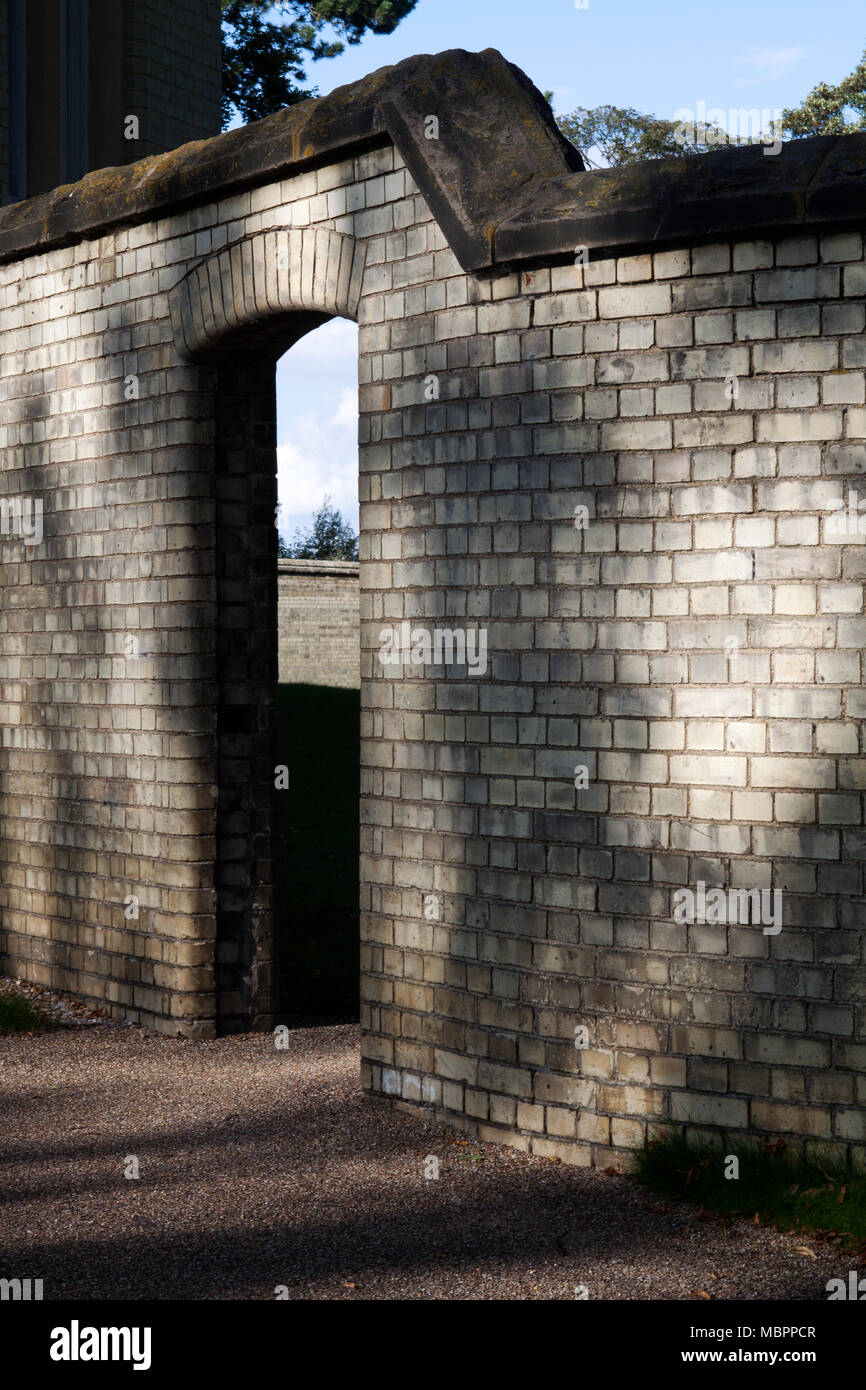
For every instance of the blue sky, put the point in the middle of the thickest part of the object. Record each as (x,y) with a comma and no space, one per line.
(657,57)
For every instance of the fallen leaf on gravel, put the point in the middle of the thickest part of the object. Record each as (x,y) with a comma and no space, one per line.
(804,1250)
(699,1293)
(757,1219)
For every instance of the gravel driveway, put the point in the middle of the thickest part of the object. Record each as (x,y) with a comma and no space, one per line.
(261,1168)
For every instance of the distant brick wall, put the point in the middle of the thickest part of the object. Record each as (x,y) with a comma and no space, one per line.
(319,617)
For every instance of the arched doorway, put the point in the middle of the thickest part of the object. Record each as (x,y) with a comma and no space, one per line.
(235,314)
(317,910)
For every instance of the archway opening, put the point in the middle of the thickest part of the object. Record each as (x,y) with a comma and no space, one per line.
(317,916)
(235,314)
(287,844)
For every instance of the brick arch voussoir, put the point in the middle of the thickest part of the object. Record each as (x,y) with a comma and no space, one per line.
(262,277)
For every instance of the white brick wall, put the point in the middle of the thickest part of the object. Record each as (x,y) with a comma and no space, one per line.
(697,647)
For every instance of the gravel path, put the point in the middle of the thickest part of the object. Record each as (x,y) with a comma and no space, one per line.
(261,1168)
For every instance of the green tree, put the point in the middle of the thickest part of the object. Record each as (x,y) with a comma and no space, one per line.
(621,135)
(825,110)
(267,43)
(329,538)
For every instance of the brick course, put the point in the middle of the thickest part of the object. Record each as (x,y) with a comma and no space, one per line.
(319,616)
(693,640)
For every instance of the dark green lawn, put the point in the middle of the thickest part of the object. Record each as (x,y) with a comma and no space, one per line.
(317,910)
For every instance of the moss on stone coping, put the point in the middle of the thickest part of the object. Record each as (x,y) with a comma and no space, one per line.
(736,192)
(498,145)
(505,186)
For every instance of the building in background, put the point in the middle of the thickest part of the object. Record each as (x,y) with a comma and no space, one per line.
(85,84)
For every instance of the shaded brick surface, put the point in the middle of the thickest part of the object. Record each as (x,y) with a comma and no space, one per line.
(626,473)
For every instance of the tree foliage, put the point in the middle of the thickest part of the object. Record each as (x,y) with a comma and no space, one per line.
(621,135)
(266,45)
(329,538)
(825,110)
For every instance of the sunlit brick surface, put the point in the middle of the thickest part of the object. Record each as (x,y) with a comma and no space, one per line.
(696,647)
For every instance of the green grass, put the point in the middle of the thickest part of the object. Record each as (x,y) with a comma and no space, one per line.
(317,907)
(17,1015)
(817,1197)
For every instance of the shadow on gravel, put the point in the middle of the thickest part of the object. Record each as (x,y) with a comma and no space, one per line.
(308,1183)
(252,1263)
(271,1171)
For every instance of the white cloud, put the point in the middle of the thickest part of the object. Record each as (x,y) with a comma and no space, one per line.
(317,424)
(768,64)
(320,458)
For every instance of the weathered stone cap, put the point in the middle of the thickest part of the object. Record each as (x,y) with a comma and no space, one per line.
(498,146)
(341,569)
(739,191)
(504,184)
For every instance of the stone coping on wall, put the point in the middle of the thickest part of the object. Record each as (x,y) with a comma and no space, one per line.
(504,184)
(339,569)
(724,194)
(497,144)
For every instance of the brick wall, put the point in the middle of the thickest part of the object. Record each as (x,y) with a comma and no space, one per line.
(156,60)
(173,75)
(319,616)
(626,475)
(697,647)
